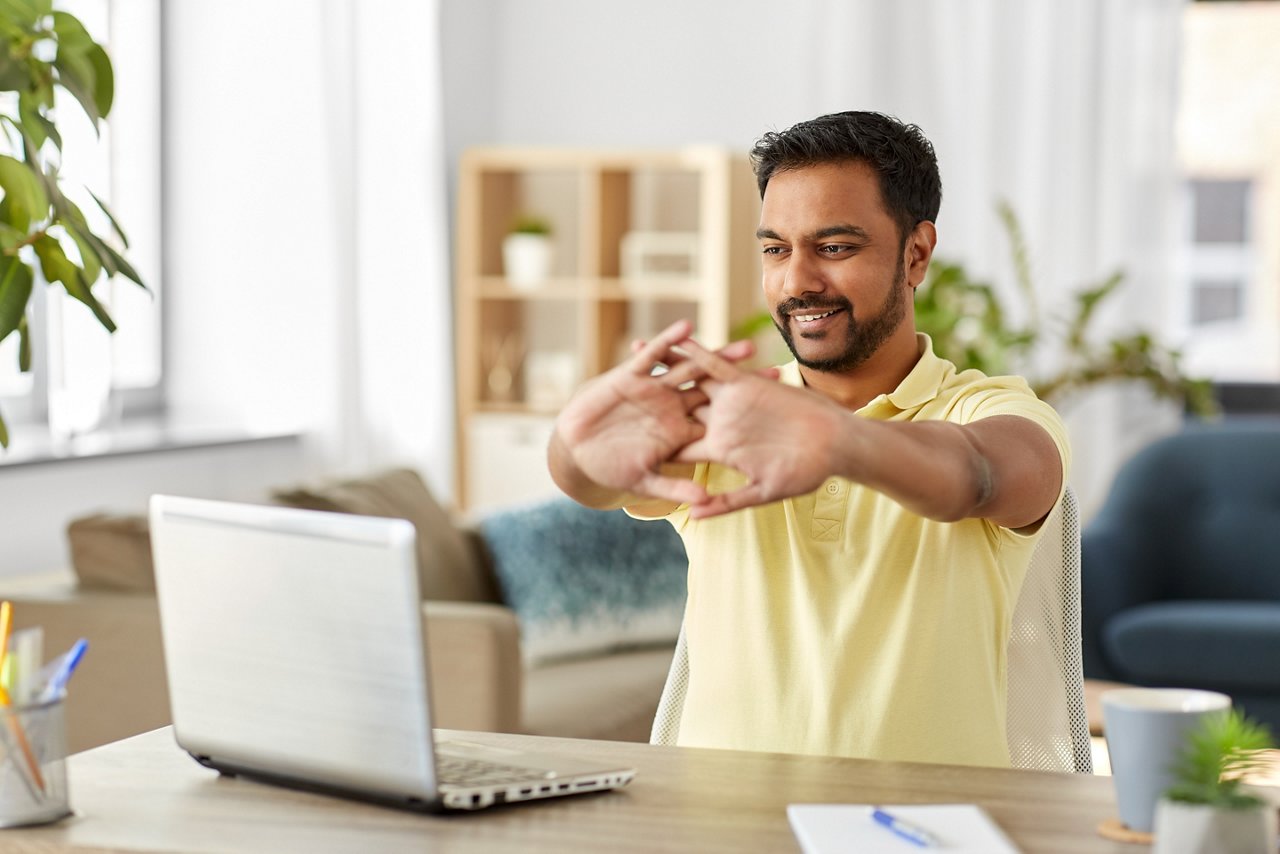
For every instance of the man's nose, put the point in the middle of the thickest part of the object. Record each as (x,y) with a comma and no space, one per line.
(802,276)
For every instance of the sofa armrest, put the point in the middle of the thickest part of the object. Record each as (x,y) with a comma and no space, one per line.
(476,670)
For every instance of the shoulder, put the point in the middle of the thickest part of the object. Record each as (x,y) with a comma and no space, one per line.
(971,396)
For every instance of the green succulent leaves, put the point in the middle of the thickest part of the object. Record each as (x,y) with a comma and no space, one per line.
(1219,753)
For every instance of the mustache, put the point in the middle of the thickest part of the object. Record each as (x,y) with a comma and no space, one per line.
(794,305)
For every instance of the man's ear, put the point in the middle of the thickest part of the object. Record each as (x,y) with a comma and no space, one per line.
(918,252)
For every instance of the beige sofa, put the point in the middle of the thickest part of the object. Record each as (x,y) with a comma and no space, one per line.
(481,677)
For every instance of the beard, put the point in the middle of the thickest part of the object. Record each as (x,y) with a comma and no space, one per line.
(864,336)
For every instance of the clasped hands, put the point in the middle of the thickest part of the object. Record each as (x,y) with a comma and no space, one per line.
(625,429)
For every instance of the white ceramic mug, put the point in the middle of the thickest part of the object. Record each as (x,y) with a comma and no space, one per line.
(1147,730)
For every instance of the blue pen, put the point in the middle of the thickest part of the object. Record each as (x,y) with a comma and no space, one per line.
(66,665)
(914,834)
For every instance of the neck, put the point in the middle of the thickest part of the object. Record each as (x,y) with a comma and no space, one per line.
(880,374)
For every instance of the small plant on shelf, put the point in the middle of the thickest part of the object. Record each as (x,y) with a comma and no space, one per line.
(527,252)
(531,224)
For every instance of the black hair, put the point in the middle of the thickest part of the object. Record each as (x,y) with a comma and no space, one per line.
(900,154)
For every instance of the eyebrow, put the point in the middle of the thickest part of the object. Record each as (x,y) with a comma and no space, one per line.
(840,230)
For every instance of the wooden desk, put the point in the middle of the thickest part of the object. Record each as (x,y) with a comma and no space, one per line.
(145,794)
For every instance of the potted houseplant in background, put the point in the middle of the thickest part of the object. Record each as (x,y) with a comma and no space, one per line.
(1208,811)
(970,326)
(45,236)
(527,252)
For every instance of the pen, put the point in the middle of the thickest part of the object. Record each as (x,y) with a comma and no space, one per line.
(62,672)
(914,834)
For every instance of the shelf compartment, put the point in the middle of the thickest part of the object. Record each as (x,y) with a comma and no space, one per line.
(528,354)
(503,196)
(643,199)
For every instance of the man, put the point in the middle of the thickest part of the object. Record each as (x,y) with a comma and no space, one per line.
(857,531)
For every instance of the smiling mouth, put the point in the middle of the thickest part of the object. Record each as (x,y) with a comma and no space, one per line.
(811,318)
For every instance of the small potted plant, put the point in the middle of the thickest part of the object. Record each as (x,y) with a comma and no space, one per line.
(1208,811)
(527,252)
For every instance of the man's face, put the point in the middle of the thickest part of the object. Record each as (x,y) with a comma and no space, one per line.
(834,276)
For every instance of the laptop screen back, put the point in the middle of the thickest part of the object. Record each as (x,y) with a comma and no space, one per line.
(293,642)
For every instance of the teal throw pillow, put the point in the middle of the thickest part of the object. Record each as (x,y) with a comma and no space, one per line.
(585,581)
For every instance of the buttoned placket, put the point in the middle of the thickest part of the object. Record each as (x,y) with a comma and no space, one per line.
(829,510)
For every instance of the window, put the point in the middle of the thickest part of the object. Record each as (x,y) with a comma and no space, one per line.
(1220,256)
(1226,301)
(77,367)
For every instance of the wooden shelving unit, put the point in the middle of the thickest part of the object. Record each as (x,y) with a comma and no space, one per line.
(520,351)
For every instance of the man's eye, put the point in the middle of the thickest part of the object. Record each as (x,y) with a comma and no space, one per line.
(773,250)
(835,249)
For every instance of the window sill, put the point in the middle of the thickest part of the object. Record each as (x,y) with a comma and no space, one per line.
(30,446)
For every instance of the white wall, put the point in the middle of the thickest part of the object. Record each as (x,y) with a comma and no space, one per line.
(578,72)
(37,501)
(307,240)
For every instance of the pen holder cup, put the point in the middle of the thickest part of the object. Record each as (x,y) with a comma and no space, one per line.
(33,764)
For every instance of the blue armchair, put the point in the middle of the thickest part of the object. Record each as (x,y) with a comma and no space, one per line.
(1180,580)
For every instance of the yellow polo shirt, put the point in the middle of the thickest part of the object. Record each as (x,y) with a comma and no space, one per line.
(840,623)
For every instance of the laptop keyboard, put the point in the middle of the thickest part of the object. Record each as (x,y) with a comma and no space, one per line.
(468,773)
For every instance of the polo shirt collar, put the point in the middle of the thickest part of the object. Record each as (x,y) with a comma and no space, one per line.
(916,389)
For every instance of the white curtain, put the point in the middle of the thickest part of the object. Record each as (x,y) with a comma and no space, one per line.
(392,357)
(1067,111)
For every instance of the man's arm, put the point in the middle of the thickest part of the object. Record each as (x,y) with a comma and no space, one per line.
(788,440)
(1005,468)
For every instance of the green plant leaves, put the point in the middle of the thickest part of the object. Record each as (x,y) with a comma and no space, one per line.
(39,49)
(13,75)
(35,125)
(84,69)
(57,267)
(25,200)
(970,326)
(25,13)
(15,290)
(967,322)
(1219,752)
(70,216)
(115,226)
(1087,302)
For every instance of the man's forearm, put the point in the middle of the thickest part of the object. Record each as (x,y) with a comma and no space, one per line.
(994,469)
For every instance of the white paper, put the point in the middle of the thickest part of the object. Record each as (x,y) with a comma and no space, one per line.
(841,828)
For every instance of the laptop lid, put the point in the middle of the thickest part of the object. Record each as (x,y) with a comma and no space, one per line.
(293,644)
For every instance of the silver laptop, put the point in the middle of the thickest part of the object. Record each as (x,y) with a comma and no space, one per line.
(294,646)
